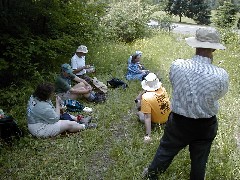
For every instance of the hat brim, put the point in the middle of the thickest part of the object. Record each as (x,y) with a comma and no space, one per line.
(82,51)
(147,88)
(69,72)
(193,42)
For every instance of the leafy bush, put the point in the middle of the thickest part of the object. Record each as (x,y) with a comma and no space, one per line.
(164,22)
(23,57)
(225,16)
(126,21)
(40,35)
(228,36)
(199,11)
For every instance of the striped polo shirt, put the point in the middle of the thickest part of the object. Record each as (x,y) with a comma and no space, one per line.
(197,86)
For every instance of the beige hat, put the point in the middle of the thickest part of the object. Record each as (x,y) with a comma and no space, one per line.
(205,38)
(151,82)
(82,49)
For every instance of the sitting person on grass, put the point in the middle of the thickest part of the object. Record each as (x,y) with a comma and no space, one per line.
(80,69)
(79,65)
(43,118)
(135,70)
(130,58)
(66,91)
(153,104)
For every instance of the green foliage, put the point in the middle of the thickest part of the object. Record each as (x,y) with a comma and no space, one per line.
(229,36)
(177,8)
(164,22)
(39,35)
(126,21)
(225,16)
(199,11)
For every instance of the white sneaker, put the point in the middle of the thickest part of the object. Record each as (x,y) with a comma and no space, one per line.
(87,109)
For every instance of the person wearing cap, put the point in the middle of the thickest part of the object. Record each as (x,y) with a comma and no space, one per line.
(136,70)
(153,103)
(197,85)
(79,65)
(66,91)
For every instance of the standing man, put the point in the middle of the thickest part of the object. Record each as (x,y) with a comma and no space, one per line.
(78,63)
(153,104)
(197,86)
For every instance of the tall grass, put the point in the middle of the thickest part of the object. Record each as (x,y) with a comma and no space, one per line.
(115,150)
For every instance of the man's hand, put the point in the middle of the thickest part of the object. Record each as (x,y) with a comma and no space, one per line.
(87,67)
(89,87)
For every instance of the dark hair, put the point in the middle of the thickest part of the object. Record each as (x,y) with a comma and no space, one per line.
(134,57)
(43,91)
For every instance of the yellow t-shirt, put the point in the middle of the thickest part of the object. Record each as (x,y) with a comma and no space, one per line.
(157,104)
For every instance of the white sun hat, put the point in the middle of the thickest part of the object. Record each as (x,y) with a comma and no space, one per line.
(151,82)
(82,49)
(205,38)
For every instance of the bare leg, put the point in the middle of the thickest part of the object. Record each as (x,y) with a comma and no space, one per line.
(70,126)
(79,86)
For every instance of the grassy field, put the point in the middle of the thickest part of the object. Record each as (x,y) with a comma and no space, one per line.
(115,150)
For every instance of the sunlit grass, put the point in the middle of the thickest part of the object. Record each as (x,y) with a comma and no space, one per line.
(115,150)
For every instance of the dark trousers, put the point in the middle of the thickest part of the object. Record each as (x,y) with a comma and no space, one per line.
(179,132)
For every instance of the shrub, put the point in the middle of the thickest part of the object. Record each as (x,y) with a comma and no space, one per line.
(229,36)
(165,22)
(225,16)
(126,21)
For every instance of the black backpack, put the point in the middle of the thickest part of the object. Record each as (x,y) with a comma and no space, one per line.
(115,83)
(9,129)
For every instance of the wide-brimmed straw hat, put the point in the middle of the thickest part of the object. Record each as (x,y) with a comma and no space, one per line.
(151,82)
(205,38)
(82,49)
(100,85)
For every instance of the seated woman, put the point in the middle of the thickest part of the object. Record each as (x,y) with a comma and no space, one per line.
(137,52)
(43,118)
(136,71)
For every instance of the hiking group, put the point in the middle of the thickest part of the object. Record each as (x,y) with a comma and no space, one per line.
(189,118)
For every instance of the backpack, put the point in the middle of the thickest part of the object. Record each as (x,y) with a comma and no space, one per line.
(100,97)
(115,83)
(73,105)
(9,129)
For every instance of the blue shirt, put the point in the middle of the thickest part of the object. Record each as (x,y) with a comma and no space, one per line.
(135,71)
(197,87)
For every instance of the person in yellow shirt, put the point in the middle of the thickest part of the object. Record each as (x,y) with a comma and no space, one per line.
(153,104)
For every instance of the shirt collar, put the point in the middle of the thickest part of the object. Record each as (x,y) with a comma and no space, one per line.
(201,59)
